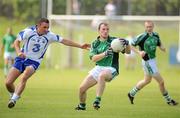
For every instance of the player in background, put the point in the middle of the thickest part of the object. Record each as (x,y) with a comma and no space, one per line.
(35,41)
(8,49)
(130,59)
(110,9)
(147,42)
(107,66)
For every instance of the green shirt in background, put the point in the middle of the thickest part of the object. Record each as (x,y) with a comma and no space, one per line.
(7,42)
(147,43)
(98,47)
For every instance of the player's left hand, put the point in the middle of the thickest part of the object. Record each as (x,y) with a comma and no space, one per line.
(86,46)
(125,42)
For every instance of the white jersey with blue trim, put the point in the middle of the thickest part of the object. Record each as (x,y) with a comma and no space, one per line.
(35,45)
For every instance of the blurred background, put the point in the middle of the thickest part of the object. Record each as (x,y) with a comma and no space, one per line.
(124,16)
(53,90)
(29,10)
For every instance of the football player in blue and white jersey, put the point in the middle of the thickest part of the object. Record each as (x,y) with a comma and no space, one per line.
(35,43)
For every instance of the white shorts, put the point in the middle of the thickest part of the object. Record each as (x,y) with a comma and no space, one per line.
(150,67)
(98,69)
(10,55)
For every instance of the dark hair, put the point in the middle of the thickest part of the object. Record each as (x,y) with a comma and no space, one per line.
(103,23)
(43,20)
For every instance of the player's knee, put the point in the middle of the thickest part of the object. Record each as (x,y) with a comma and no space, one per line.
(102,76)
(101,79)
(82,89)
(8,83)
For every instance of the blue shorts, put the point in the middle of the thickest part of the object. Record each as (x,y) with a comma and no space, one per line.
(22,63)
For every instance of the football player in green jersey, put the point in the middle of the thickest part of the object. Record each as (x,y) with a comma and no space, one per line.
(107,66)
(147,42)
(9,50)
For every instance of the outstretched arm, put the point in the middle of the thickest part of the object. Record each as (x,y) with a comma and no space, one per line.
(74,44)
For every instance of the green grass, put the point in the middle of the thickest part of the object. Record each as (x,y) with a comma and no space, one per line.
(54,93)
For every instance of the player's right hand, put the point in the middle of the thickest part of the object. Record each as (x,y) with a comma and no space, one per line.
(142,53)
(21,54)
(108,52)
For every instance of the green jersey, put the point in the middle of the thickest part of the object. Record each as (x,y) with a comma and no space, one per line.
(8,40)
(98,47)
(148,43)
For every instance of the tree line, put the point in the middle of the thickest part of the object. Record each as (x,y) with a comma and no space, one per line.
(27,10)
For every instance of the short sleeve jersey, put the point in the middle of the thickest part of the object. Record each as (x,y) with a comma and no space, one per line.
(7,42)
(98,47)
(148,43)
(35,45)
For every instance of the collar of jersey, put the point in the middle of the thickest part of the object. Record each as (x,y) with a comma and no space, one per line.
(103,40)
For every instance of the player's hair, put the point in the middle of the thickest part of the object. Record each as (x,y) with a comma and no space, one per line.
(43,20)
(148,21)
(103,23)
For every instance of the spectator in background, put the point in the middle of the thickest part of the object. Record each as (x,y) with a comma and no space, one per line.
(110,9)
(76,7)
(8,49)
(130,59)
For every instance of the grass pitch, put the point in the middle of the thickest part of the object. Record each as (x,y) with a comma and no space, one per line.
(54,94)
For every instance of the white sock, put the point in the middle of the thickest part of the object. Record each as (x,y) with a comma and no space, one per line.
(11,94)
(15,97)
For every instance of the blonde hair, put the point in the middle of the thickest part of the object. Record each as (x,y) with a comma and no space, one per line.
(149,21)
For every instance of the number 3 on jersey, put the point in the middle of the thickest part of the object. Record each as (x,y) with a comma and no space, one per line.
(36,48)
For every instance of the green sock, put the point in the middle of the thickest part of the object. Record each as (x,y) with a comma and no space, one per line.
(167,97)
(134,91)
(98,99)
